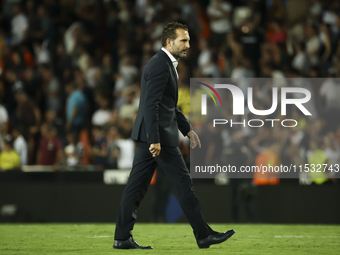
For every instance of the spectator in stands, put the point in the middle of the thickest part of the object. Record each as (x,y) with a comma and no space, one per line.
(113,151)
(126,151)
(313,44)
(251,39)
(278,35)
(9,158)
(52,119)
(74,150)
(43,27)
(8,97)
(317,156)
(27,112)
(107,69)
(326,49)
(205,54)
(99,149)
(301,60)
(50,151)
(18,63)
(19,25)
(42,54)
(20,145)
(3,124)
(128,109)
(126,77)
(329,90)
(52,87)
(64,64)
(75,108)
(3,120)
(270,157)
(211,69)
(103,114)
(219,12)
(32,86)
(184,98)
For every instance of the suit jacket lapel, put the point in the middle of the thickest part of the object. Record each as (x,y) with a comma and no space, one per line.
(176,79)
(162,53)
(172,66)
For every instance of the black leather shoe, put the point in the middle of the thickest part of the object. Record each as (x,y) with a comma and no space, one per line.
(215,238)
(129,244)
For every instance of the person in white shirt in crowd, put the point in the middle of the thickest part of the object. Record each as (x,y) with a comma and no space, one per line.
(211,69)
(103,114)
(219,12)
(19,24)
(74,150)
(315,9)
(205,55)
(72,37)
(3,119)
(331,17)
(124,79)
(20,145)
(330,91)
(126,152)
(128,109)
(301,61)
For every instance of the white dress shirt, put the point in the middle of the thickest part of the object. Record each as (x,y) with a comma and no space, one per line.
(173,60)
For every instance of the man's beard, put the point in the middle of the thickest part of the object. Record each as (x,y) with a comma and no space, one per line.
(177,54)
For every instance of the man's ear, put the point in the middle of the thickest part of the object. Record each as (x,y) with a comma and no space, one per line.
(169,41)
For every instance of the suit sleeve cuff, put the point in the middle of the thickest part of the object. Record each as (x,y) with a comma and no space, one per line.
(153,138)
(187,130)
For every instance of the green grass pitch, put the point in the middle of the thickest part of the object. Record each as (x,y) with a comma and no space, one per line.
(168,239)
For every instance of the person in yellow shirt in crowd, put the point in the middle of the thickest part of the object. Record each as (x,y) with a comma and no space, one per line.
(184,98)
(9,158)
(317,163)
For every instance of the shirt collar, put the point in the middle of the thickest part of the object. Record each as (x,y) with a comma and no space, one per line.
(169,55)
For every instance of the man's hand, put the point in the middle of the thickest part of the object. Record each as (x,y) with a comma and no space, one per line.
(194,139)
(155,149)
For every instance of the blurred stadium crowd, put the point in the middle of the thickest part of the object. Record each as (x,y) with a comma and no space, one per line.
(70,73)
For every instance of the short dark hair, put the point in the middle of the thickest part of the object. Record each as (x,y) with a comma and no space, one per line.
(169,31)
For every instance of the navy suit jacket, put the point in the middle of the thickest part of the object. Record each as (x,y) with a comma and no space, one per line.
(158,118)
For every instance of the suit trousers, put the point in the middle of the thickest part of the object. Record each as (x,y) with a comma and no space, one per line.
(171,161)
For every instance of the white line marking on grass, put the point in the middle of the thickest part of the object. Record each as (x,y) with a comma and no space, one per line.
(288,236)
(306,236)
(99,236)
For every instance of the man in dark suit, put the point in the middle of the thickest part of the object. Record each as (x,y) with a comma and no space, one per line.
(156,134)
